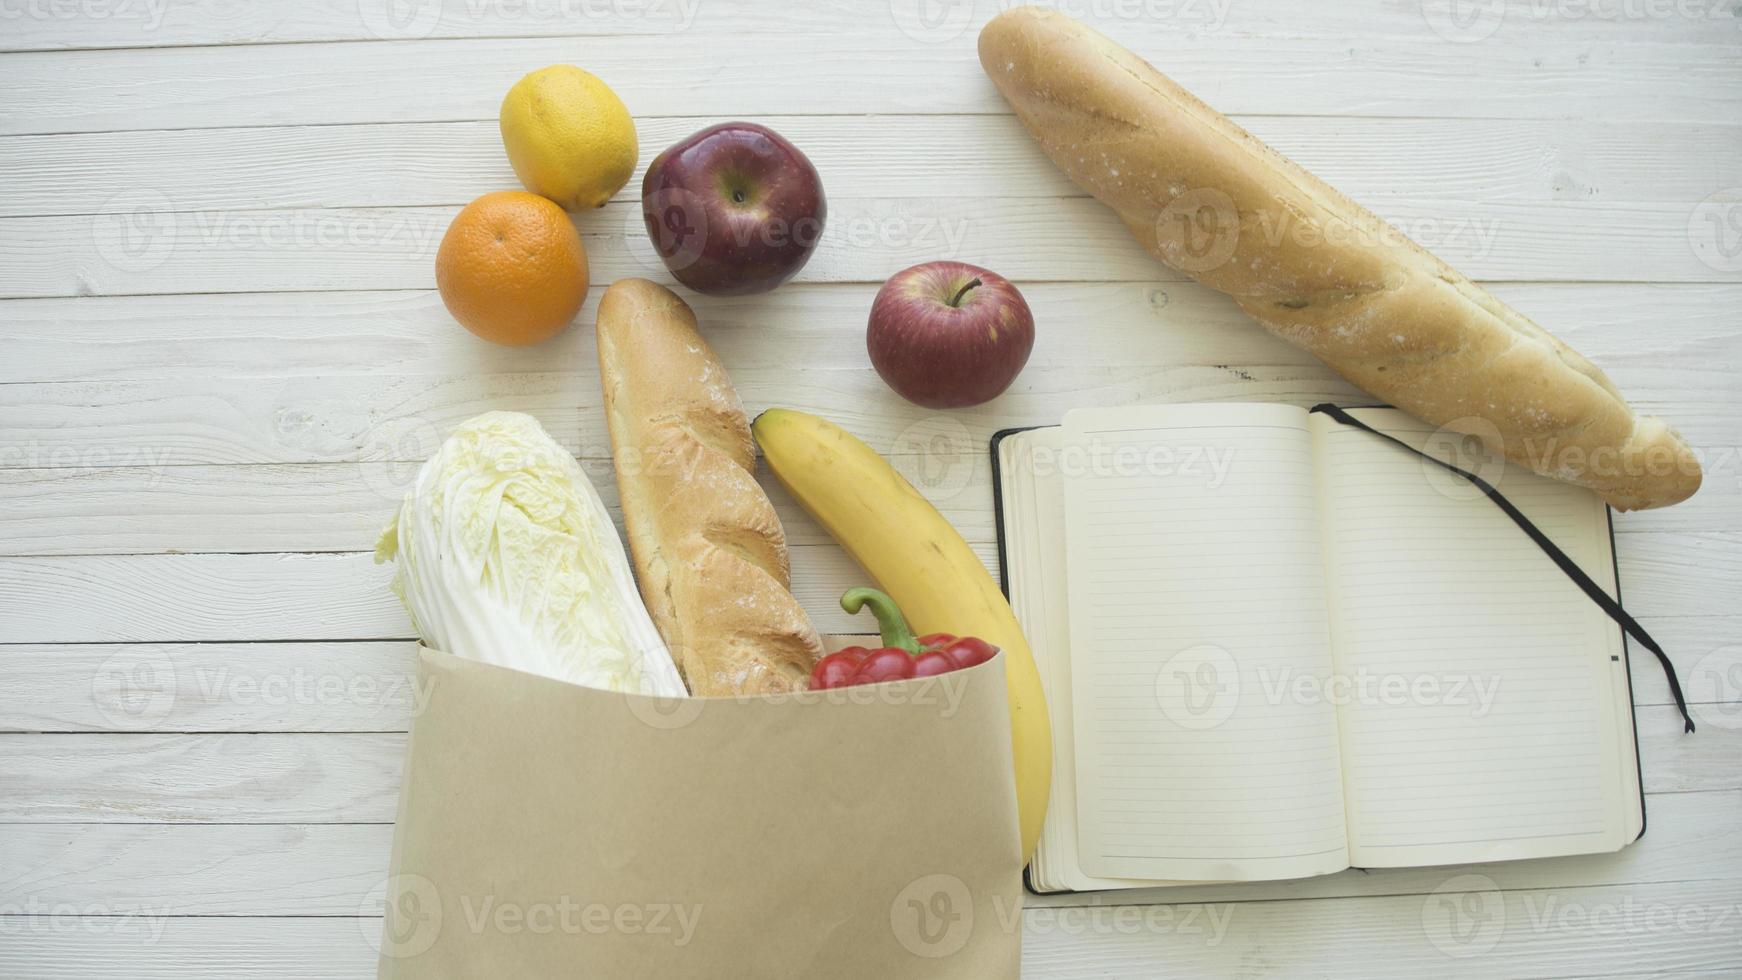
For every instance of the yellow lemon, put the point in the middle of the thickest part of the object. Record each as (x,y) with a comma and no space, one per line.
(569,137)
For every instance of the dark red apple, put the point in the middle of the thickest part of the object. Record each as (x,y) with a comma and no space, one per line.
(733,209)
(949,334)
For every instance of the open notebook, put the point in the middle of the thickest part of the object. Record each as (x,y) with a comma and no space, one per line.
(1275,646)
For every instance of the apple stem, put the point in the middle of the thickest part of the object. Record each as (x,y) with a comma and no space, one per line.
(956,300)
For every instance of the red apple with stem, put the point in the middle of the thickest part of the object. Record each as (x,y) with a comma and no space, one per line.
(949,334)
(733,209)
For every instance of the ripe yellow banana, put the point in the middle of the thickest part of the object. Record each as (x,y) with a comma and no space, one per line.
(914,554)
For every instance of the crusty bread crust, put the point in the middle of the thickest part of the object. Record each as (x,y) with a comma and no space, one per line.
(1319,270)
(710,554)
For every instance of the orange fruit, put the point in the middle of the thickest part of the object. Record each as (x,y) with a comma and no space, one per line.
(512,269)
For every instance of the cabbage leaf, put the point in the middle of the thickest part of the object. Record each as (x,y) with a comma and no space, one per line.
(504,553)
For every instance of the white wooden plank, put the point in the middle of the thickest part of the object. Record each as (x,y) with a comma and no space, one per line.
(218,598)
(75,947)
(223,22)
(1543,933)
(181,598)
(1600,931)
(799,326)
(218,687)
(242,869)
(449,163)
(271,778)
(1273,57)
(342,419)
(328,869)
(301,344)
(138,510)
(1640,333)
(305,507)
(175,598)
(365,418)
(156,251)
(342,506)
(231,778)
(368,687)
(1669,851)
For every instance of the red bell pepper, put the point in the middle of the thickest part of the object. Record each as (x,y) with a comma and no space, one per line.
(902,655)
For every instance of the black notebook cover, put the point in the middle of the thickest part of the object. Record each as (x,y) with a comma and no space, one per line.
(1004,586)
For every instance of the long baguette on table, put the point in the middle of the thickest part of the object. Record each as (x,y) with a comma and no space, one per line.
(1320,271)
(710,554)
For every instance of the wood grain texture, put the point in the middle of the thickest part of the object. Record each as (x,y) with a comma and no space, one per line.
(326,507)
(270,778)
(1637,332)
(306,507)
(332,686)
(446,163)
(223,597)
(95,466)
(1543,933)
(369,686)
(243,869)
(177,598)
(228,22)
(1257,56)
(149,249)
(361,418)
(329,869)
(228,778)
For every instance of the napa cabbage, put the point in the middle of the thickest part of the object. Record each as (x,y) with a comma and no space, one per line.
(503,552)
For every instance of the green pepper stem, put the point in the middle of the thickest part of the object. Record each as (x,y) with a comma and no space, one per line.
(890,622)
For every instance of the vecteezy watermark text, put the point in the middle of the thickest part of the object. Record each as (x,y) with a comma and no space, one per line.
(139,230)
(1201,230)
(1370,688)
(146,13)
(942,692)
(934,917)
(1467,916)
(1470,21)
(942,21)
(142,685)
(1202,686)
(391,20)
(33,916)
(415,916)
(569,917)
(1206,465)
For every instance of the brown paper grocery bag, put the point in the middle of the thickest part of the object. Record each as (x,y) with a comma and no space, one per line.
(551,830)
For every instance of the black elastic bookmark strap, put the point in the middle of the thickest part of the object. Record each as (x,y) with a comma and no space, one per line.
(1567,565)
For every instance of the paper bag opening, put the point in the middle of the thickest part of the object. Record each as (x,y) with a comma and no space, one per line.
(552,830)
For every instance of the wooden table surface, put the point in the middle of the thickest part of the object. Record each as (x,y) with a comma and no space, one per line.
(222,356)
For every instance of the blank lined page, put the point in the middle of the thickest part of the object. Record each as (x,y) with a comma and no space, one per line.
(1480,721)
(1032,536)
(1034,522)
(1195,579)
